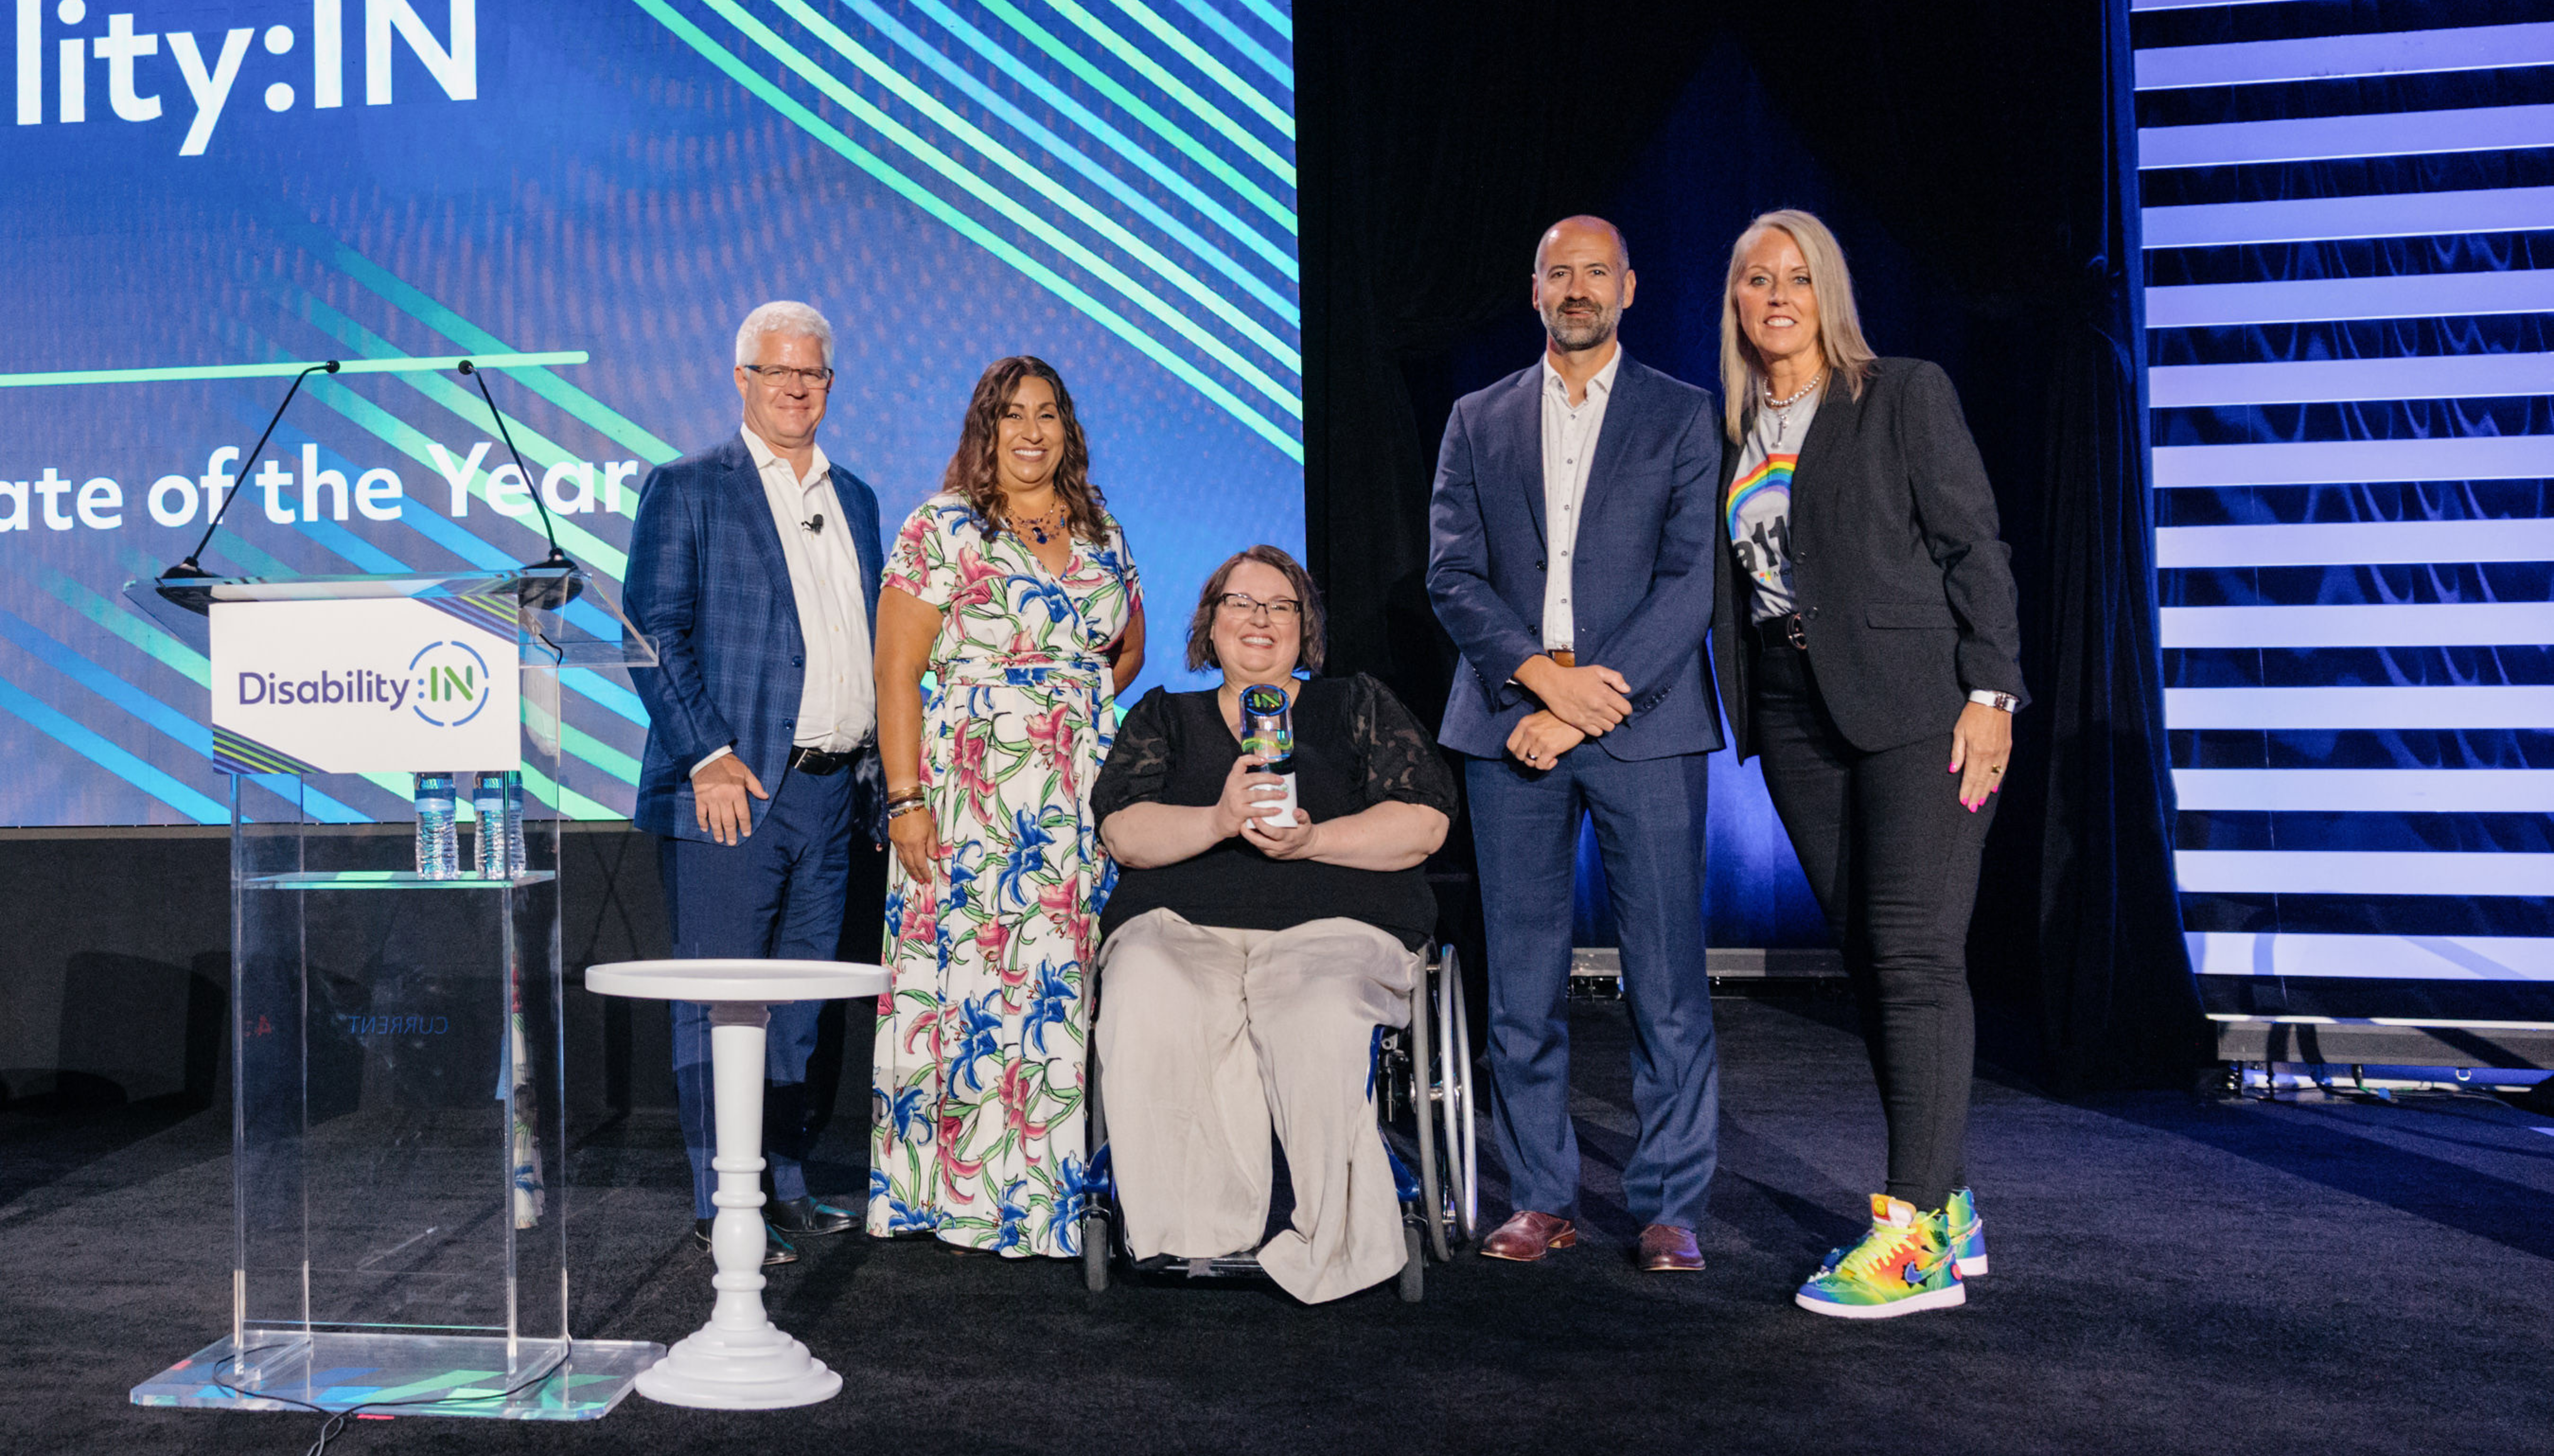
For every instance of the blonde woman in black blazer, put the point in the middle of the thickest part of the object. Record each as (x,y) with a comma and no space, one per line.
(1868,649)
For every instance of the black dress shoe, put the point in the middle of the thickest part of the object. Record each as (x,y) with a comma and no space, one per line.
(805,1218)
(775,1249)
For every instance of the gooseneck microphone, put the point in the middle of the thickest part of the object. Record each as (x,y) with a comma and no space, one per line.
(191,566)
(556,557)
(558,560)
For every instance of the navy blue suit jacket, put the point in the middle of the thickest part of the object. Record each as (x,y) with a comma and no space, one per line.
(709,588)
(1642,586)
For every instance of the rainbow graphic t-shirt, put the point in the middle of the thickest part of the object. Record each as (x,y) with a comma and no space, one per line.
(1757,511)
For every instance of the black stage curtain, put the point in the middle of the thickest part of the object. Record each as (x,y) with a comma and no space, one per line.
(1994,142)
(1430,137)
(2116,999)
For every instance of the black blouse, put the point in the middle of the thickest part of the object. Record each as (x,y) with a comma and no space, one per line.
(1356,746)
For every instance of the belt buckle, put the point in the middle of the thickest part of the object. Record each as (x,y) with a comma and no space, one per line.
(1796,632)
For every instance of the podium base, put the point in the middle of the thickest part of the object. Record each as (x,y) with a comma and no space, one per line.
(404,1374)
(714,1370)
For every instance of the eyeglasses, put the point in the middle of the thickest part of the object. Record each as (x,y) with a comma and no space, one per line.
(781,376)
(1242,604)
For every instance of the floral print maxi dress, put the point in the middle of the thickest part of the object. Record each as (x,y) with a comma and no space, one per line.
(977,1126)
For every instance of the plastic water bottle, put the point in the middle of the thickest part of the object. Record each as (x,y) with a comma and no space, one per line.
(1268,730)
(438,833)
(516,861)
(488,801)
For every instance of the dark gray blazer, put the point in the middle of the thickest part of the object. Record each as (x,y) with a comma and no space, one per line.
(1906,591)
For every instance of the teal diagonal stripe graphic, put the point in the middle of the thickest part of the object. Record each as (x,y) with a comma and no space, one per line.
(1068,142)
(1201,291)
(1113,160)
(993,198)
(1134,104)
(1216,177)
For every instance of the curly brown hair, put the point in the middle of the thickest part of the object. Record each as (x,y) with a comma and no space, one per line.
(1308,641)
(973,475)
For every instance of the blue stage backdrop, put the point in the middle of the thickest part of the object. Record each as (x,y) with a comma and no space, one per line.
(1108,183)
(2349,211)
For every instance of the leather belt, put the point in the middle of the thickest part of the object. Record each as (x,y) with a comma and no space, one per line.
(816,763)
(1787,630)
(1561,655)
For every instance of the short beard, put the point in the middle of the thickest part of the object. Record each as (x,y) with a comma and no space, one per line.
(1571,337)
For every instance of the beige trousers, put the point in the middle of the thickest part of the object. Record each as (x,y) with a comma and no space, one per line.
(1209,1036)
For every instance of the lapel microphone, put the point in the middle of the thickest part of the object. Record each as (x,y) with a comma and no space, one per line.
(816,525)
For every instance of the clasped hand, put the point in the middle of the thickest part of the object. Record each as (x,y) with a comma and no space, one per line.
(1578,703)
(1248,796)
(1541,739)
(1591,699)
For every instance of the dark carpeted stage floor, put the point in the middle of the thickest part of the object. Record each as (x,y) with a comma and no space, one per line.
(2173,1274)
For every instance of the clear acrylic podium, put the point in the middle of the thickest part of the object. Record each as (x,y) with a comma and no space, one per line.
(398,1100)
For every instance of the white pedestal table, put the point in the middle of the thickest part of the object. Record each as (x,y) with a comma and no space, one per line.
(739,1360)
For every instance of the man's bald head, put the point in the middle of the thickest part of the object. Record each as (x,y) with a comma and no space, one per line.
(1588,226)
(1583,282)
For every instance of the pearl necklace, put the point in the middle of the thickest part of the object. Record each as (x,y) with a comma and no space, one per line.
(1782,408)
(1802,394)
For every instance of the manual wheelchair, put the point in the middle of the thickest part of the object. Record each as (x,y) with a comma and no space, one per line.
(1425,1105)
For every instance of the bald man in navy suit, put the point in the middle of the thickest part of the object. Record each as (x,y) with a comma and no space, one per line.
(1571,548)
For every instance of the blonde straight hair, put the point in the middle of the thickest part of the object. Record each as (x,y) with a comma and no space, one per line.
(1849,358)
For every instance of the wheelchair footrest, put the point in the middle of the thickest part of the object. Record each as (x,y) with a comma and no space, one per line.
(1220,1266)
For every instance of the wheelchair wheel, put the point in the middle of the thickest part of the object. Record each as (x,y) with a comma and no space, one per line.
(1452,1096)
(1413,1284)
(1095,1251)
(1423,1114)
(1096,1230)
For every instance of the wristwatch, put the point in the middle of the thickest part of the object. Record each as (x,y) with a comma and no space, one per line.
(2002,701)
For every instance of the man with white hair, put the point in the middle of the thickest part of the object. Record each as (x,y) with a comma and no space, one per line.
(753,569)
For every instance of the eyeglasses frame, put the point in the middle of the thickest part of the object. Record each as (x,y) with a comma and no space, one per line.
(1252,606)
(775,375)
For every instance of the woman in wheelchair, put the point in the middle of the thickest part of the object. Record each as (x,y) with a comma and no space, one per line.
(1247,966)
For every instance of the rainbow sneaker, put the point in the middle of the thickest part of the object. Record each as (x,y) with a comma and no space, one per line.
(1967,1233)
(1902,1267)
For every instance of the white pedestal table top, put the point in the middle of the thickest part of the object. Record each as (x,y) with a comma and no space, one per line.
(764,981)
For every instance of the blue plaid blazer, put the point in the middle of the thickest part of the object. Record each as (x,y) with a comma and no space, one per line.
(709,588)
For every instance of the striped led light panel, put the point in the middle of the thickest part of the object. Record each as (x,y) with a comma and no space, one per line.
(2351,331)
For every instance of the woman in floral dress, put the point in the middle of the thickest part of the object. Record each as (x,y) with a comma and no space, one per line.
(1013,589)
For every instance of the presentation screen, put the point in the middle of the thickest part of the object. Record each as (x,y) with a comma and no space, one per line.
(201,191)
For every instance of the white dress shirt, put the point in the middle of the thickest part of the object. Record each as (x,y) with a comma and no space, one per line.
(1570,434)
(837,704)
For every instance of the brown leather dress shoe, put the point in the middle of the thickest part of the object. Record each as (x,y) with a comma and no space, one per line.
(1527,1235)
(1665,1247)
